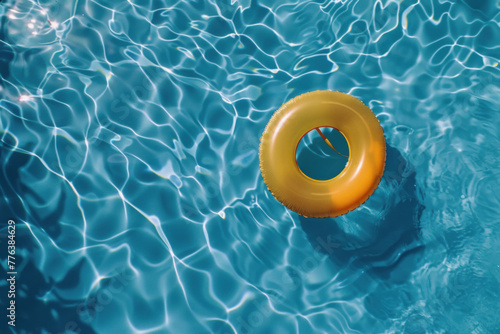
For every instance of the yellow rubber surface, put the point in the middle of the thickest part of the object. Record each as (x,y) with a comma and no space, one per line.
(349,189)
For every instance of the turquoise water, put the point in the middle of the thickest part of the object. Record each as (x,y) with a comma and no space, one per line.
(129,162)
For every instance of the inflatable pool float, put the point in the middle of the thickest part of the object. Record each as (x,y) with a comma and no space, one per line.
(362,173)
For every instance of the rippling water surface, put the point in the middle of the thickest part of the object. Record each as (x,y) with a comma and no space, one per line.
(129,161)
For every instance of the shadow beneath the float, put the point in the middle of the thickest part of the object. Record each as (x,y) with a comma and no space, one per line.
(381,237)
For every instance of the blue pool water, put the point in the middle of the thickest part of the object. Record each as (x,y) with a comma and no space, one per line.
(129,163)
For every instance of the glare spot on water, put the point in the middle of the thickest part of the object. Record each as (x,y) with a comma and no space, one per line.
(54,24)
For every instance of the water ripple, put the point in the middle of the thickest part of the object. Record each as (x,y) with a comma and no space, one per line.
(129,154)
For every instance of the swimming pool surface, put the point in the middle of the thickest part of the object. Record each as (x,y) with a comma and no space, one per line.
(129,164)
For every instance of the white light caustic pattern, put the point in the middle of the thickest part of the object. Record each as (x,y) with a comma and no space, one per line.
(130,134)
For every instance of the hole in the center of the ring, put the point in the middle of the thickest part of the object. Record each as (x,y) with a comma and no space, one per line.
(322,158)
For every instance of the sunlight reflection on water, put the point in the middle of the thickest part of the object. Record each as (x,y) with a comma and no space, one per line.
(130,134)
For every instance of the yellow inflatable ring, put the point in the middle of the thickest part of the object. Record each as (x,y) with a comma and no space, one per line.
(346,191)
